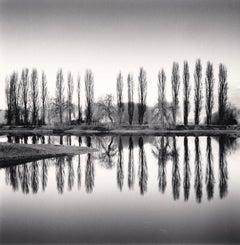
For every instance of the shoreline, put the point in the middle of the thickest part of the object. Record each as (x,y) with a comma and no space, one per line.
(212,131)
(14,154)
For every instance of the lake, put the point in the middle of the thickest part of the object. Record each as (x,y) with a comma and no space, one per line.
(134,189)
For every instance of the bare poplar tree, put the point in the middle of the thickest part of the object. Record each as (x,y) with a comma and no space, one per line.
(60,100)
(209,83)
(175,91)
(89,90)
(222,93)
(25,94)
(186,92)
(130,99)
(79,99)
(9,113)
(142,94)
(34,96)
(120,104)
(14,100)
(70,96)
(198,91)
(44,98)
(162,104)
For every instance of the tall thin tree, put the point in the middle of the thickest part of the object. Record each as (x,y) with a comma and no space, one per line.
(25,94)
(222,93)
(14,97)
(44,98)
(60,100)
(175,91)
(89,90)
(162,104)
(9,113)
(120,104)
(70,87)
(79,99)
(186,92)
(198,92)
(130,99)
(209,83)
(34,96)
(142,94)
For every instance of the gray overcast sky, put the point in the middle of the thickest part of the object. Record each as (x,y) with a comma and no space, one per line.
(109,36)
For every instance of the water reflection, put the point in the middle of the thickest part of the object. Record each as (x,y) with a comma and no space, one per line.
(70,172)
(89,170)
(60,139)
(107,150)
(186,171)
(25,139)
(79,173)
(131,174)
(60,174)
(160,151)
(223,171)
(11,177)
(114,151)
(142,168)
(210,180)
(120,173)
(24,177)
(176,178)
(44,174)
(198,171)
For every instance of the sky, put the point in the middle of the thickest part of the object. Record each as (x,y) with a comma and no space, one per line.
(119,35)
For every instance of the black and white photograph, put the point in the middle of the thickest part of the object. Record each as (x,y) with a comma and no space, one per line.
(119,122)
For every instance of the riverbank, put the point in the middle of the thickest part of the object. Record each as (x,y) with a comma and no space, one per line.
(179,130)
(12,154)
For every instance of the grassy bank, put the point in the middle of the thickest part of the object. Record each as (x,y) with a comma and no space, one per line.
(105,129)
(19,153)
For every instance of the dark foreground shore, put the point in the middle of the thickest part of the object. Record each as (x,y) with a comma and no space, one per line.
(12,154)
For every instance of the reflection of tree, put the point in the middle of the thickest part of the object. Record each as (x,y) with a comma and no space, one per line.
(60,174)
(223,171)
(107,151)
(9,139)
(186,178)
(80,140)
(89,174)
(70,173)
(176,178)
(34,177)
(25,178)
(17,139)
(69,140)
(34,139)
(88,141)
(79,172)
(61,139)
(43,139)
(49,139)
(11,177)
(25,139)
(120,173)
(142,170)
(161,153)
(198,171)
(210,180)
(44,174)
(130,164)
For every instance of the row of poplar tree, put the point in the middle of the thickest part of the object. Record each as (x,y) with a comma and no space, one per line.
(28,102)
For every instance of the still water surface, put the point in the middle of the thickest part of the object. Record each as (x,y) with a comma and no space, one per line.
(134,189)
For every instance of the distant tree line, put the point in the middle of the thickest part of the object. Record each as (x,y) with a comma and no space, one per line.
(28,101)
